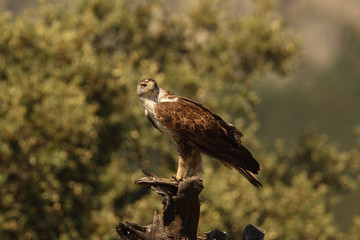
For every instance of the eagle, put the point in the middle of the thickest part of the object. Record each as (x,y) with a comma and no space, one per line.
(195,130)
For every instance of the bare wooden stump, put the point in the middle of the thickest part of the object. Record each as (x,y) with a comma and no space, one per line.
(180,217)
(252,232)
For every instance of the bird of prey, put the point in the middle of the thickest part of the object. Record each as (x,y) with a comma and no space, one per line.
(195,130)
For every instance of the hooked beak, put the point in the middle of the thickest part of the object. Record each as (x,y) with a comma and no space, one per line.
(151,86)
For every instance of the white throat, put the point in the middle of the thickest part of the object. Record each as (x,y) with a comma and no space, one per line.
(149,105)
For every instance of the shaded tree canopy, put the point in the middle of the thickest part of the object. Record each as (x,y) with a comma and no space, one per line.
(73,135)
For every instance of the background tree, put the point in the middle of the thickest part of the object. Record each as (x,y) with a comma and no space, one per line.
(73,135)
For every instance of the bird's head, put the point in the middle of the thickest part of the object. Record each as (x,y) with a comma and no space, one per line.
(147,88)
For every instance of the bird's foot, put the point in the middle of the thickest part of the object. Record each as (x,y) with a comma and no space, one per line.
(174,178)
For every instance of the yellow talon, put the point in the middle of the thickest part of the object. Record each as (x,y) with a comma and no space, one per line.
(174,178)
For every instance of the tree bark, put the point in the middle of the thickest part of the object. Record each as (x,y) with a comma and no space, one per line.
(180,217)
(252,232)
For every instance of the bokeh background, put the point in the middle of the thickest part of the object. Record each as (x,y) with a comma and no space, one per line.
(73,135)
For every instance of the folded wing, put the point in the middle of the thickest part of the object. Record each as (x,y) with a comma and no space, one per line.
(209,134)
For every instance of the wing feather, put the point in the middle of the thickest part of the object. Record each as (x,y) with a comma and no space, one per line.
(208,133)
(152,122)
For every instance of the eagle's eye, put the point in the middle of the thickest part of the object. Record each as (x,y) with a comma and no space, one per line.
(143,85)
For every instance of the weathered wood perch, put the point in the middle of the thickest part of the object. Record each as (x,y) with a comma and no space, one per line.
(180,217)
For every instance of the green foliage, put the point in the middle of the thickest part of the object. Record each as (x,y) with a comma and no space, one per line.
(323,162)
(325,98)
(301,186)
(73,135)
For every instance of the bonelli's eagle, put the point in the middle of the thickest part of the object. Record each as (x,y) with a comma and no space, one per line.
(195,130)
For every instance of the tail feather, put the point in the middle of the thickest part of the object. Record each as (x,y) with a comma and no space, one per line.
(237,157)
(249,176)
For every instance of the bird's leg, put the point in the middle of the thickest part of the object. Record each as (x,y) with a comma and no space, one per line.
(180,171)
(181,168)
(194,165)
(183,151)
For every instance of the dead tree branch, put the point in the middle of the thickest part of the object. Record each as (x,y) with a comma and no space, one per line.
(180,217)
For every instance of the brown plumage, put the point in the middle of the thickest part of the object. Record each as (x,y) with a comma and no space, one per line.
(195,129)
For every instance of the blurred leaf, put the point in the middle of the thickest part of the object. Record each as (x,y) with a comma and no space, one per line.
(73,135)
